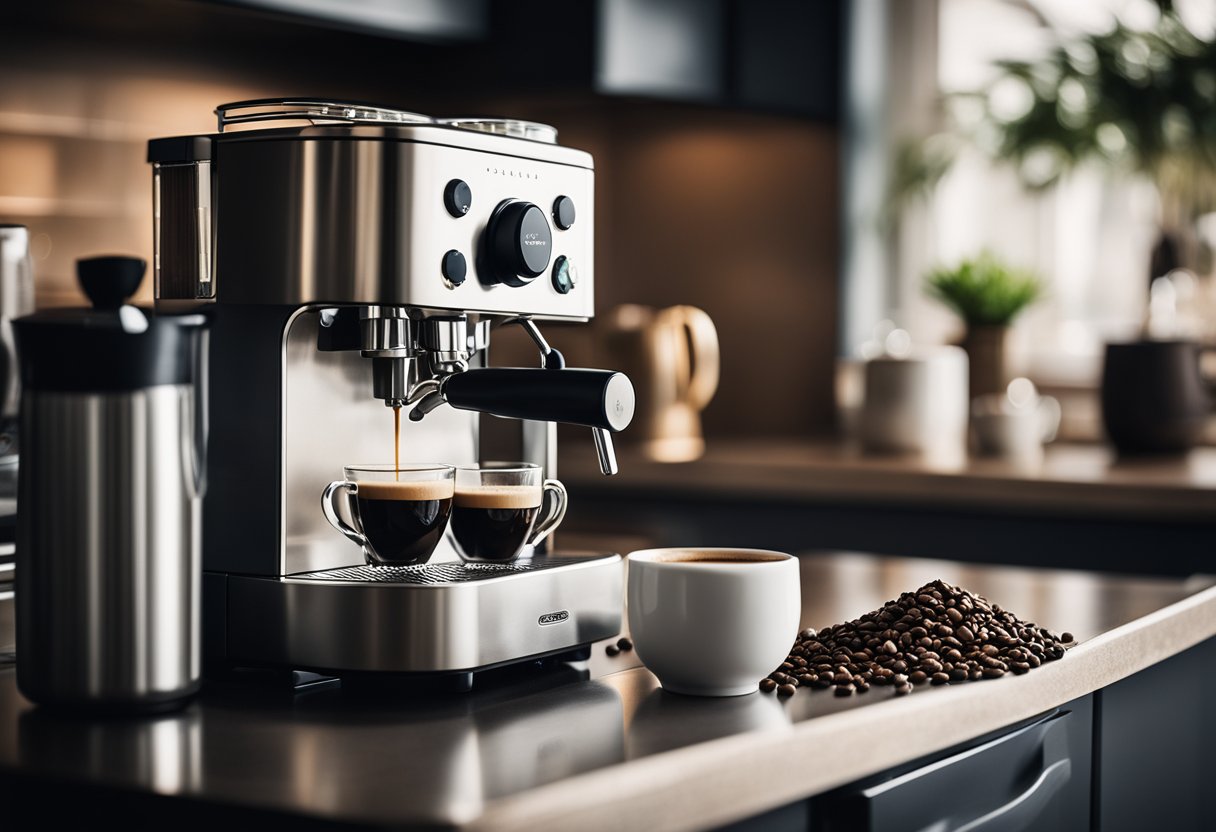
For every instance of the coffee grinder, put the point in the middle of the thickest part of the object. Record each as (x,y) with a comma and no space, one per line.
(353,257)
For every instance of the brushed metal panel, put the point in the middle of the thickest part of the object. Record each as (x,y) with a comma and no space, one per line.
(358,221)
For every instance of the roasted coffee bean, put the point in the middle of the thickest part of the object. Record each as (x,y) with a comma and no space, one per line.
(768,685)
(627,645)
(903,690)
(612,650)
(786,690)
(1066,637)
(941,632)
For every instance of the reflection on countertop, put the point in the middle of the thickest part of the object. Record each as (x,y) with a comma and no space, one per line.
(537,750)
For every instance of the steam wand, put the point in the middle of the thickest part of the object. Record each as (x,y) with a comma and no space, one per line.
(600,399)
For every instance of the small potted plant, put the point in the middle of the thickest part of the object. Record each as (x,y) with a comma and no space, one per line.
(987,294)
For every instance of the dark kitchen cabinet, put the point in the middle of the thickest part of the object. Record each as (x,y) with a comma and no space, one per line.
(1153,738)
(781,56)
(1033,776)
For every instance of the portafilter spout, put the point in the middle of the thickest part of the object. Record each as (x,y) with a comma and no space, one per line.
(600,399)
(387,338)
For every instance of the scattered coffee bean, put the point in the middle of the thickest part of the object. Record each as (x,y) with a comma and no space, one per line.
(627,645)
(786,690)
(768,685)
(939,633)
(612,650)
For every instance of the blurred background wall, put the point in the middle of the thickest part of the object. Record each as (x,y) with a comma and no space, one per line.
(713,124)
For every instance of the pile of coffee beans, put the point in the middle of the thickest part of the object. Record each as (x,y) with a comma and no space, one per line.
(937,634)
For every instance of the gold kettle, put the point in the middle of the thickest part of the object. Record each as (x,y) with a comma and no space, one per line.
(672,357)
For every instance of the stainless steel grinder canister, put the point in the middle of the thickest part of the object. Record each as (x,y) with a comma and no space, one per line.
(113,427)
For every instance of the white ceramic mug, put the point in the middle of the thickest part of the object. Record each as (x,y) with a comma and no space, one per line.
(710,621)
(916,403)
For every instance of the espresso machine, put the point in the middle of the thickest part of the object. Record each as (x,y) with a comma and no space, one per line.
(354,257)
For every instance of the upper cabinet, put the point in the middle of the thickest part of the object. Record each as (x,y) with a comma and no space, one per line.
(770,55)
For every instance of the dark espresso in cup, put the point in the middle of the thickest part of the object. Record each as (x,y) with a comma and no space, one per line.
(403,521)
(492,522)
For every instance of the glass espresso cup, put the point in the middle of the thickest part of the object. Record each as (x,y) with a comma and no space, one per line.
(399,514)
(497,510)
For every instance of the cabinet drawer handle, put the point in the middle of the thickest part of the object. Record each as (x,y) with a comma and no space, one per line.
(1020,811)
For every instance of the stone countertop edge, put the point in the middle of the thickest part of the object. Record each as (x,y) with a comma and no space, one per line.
(731,778)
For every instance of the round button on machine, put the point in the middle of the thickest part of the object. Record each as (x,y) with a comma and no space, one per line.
(454,268)
(516,244)
(563,212)
(458,197)
(564,275)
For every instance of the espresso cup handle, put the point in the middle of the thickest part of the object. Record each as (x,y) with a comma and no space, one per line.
(331,511)
(557,512)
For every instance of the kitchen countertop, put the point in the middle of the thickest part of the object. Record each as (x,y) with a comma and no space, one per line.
(599,745)
(1069,479)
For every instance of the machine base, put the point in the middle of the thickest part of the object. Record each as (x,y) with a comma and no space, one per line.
(446,618)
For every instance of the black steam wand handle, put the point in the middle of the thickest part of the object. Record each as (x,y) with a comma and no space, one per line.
(597,398)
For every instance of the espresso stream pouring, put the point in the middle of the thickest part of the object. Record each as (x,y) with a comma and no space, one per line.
(112,475)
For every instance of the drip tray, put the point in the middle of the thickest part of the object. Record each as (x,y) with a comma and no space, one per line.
(435,618)
(439,573)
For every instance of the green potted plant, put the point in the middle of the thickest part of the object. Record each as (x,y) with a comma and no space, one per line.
(987,294)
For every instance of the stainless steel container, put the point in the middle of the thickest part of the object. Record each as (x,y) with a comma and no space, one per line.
(16,299)
(110,486)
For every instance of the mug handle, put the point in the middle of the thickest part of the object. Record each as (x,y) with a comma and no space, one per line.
(331,511)
(699,373)
(545,526)
(1050,413)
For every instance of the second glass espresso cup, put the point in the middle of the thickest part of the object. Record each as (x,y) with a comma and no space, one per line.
(497,510)
(399,514)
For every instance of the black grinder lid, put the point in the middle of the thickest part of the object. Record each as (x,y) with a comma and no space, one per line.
(111,346)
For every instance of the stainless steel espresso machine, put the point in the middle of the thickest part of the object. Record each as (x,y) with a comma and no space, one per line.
(354,257)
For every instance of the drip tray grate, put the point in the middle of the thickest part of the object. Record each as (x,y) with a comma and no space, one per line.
(439,573)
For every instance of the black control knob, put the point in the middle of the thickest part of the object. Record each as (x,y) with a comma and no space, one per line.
(518,244)
(563,212)
(458,197)
(453,267)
